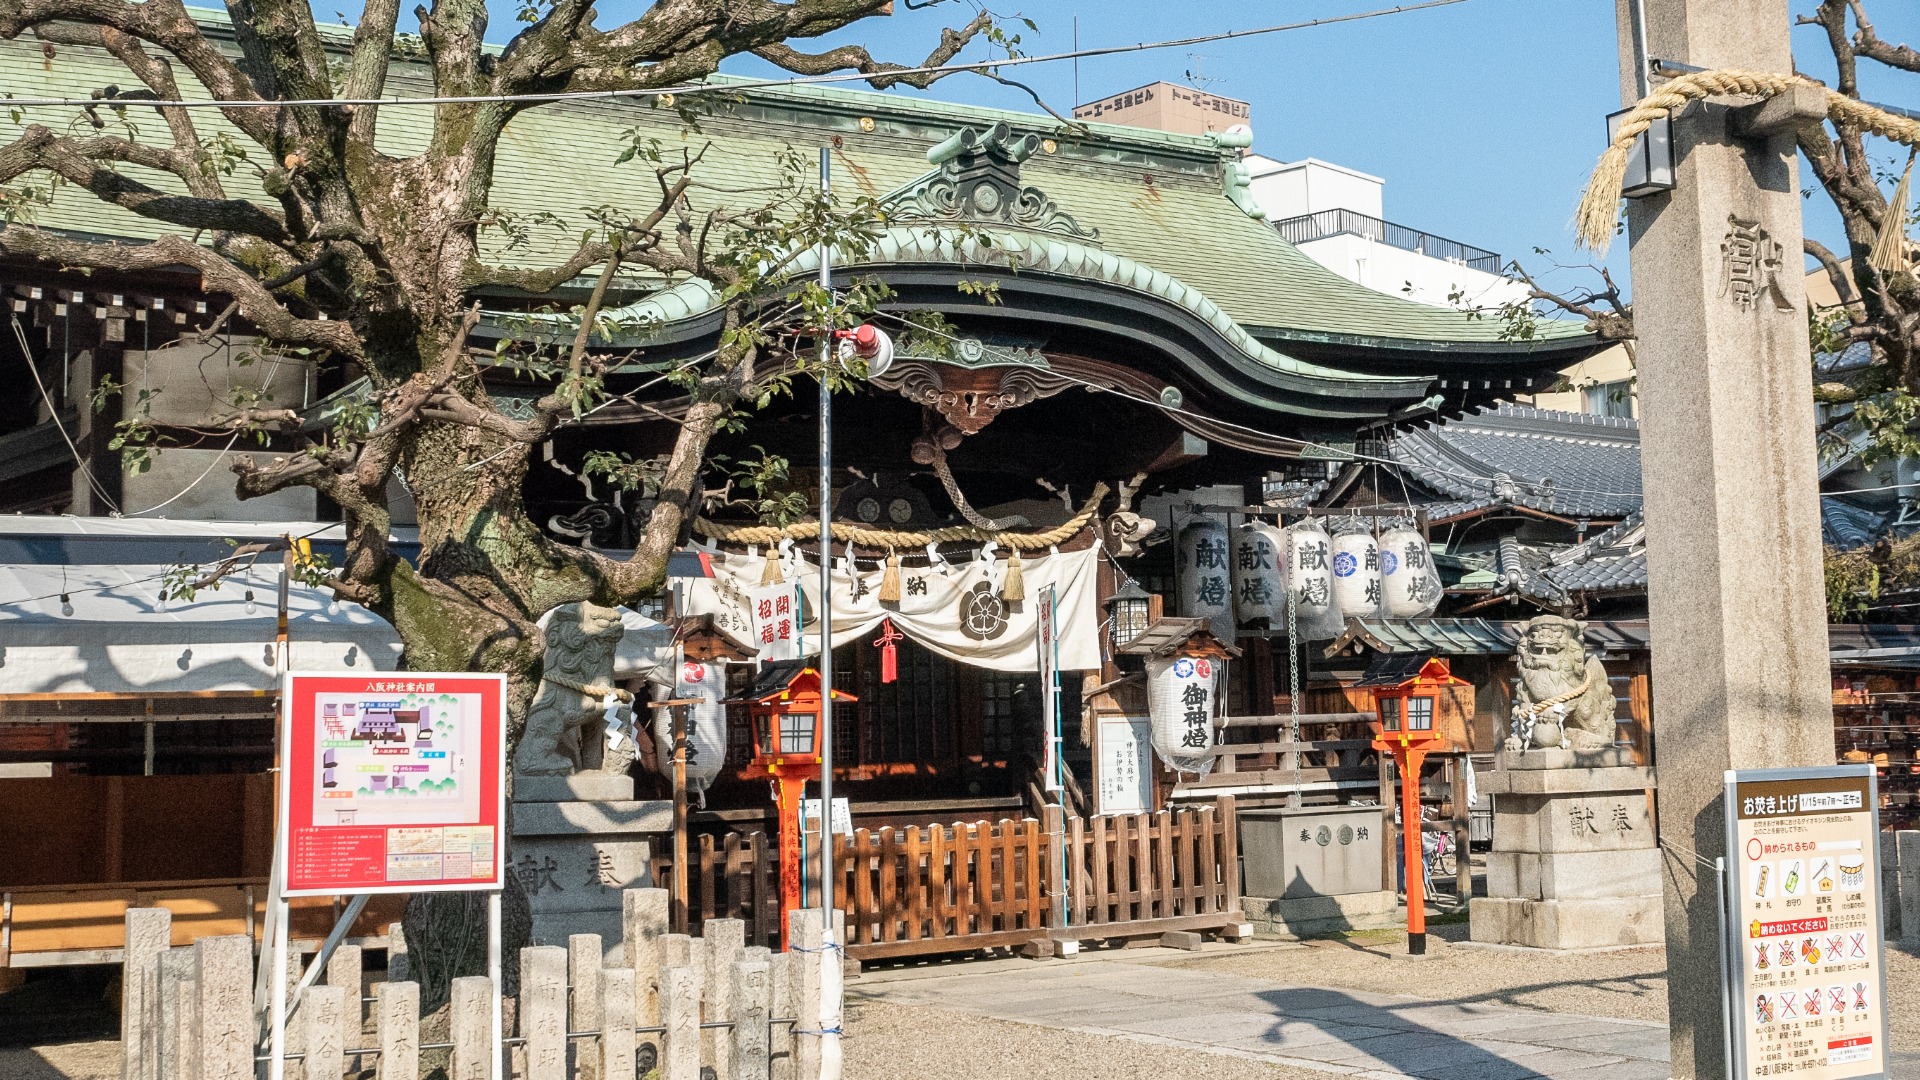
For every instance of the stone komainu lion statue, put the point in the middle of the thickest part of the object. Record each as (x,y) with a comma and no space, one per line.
(1565,699)
(566,725)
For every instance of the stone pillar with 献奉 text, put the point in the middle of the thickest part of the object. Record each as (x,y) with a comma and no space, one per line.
(1575,863)
(579,842)
(1736,594)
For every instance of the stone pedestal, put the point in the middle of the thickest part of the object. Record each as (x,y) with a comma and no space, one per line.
(1575,861)
(578,841)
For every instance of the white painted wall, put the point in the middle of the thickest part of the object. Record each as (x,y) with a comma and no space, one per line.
(1289,189)
(203,482)
(1411,275)
(1286,189)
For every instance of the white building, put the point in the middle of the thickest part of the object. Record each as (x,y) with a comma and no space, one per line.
(1336,216)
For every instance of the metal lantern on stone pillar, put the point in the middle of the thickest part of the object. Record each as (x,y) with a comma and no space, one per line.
(1650,161)
(1129,612)
(1412,724)
(785,708)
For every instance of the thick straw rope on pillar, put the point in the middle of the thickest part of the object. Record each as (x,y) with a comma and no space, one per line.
(1600,206)
(884,539)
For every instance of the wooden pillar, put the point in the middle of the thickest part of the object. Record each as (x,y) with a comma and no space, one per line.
(1462,830)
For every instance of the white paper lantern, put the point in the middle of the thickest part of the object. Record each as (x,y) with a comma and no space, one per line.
(1310,581)
(706,723)
(1180,694)
(1356,571)
(1410,586)
(1202,579)
(1259,575)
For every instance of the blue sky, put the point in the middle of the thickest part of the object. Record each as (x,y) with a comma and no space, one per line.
(1484,117)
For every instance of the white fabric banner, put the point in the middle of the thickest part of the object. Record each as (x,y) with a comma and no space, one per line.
(953,609)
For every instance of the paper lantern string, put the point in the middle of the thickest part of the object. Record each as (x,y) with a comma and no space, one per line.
(888,643)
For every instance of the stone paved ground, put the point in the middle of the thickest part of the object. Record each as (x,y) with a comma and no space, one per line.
(1469,1014)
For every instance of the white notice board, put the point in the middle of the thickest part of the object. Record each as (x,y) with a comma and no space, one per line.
(1805,926)
(1123,766)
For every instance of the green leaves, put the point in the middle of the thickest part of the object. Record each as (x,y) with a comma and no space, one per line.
(623,471)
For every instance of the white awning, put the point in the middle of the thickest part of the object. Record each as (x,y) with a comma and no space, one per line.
(115,635)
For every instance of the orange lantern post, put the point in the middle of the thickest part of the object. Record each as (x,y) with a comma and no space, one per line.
(1411,726)
(785,706)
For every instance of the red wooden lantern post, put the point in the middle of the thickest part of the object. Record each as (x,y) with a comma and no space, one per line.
(1407,728)
(786,739)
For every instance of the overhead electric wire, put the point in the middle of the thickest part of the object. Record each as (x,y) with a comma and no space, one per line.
(749,84)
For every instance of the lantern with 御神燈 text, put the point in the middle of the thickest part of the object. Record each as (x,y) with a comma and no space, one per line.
(1186,674)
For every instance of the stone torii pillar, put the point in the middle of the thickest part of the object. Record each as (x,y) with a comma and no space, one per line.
(1735,585)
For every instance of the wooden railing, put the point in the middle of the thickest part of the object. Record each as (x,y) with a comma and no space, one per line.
(735,877)
(1175,870)
(983,885)
(1279,764)
(944,888)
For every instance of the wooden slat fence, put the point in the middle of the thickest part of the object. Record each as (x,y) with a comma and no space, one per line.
(1181,866)
(981,885)
(735,877)
(944,888)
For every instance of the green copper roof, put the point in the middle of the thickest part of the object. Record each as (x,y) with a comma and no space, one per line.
(1156,200)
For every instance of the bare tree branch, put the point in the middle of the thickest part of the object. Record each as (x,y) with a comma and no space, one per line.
(80,160)
(883,75)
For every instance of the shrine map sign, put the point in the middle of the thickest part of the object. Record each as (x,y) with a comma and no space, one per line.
(1809,990)
(393,782)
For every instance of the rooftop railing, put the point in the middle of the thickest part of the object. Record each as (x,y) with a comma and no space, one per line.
(1310,227)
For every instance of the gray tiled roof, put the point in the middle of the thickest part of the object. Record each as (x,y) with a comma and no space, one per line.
(1608,573)
(1846,525)
(1571,464)
(1475,637)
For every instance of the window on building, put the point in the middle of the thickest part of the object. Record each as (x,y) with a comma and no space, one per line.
(1000,707)
(1610,399)
(911,718)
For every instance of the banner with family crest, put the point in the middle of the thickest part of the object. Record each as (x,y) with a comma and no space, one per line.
(952,607)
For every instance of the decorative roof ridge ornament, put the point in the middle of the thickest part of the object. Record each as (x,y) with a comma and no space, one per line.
(971,352)
(977,179)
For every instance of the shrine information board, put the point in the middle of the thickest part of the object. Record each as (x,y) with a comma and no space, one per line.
(1805,924)
(392,782)
(1124,766)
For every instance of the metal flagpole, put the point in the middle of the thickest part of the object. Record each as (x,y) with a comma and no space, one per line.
(831,972)
(496,1023)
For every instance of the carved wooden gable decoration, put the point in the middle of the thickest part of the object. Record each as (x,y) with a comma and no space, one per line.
(967,382)
(977,182)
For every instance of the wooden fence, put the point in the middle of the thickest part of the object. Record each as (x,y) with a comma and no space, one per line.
(1146,873)
(945,888)
(983,885)
(735,877)
(673,1007)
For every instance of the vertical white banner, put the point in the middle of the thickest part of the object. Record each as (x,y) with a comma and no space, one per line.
(1050,687)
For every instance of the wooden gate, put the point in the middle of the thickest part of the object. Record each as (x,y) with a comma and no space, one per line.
(1149,873)
(945,888)
(983,885)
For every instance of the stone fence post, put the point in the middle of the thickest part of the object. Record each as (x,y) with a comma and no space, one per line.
(470,1019)
(149,933)
(400,1031)
(223,973)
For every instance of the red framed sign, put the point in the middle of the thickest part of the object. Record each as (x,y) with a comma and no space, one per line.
(392,782)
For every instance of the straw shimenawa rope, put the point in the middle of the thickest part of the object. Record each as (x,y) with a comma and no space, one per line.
(895,538)
(1600,206)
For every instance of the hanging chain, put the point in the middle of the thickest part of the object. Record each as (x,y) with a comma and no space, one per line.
(1293,683)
